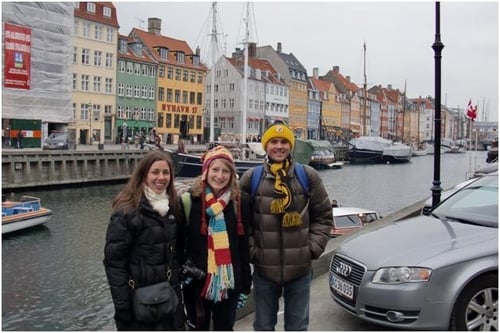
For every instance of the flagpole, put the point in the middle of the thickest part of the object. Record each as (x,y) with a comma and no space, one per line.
(470,140)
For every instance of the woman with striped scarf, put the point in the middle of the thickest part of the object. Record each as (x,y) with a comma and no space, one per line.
(217,244)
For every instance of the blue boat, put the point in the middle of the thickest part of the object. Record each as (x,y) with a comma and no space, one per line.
(22,214)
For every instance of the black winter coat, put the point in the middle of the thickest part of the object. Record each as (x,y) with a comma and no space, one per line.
(142,246)
(197,249)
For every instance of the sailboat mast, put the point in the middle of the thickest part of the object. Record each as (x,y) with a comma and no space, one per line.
(213,46)
(245,80)
(364,88)
(404,109)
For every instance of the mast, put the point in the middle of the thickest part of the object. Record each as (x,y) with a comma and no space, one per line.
(245,80)
(404,109)
(364,88)
(213,45)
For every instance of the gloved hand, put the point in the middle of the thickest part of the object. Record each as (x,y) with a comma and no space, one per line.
(242,300)
(187,280)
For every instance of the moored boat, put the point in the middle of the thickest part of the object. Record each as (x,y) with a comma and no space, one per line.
(22,214)
(375,149)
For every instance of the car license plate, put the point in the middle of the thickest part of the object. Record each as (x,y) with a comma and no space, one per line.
(342,287)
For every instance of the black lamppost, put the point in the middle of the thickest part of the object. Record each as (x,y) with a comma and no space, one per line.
(89,106)
(437,47)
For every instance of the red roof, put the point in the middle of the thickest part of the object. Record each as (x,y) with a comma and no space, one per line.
(98,16)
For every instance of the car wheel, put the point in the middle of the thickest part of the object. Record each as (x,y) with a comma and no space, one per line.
(476,308)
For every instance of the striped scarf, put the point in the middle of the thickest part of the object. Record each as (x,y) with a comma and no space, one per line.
(283,204)
(220,276)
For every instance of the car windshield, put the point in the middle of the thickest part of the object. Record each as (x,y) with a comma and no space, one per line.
(347,221)
(476,203)
(56,137)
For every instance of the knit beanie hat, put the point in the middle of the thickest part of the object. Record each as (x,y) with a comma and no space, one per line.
(212,154)
(278,130)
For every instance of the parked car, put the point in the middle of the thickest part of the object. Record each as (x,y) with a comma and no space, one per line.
(347,219)
(58,140)
(437,272)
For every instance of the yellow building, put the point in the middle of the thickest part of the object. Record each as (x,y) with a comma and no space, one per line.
(180,83)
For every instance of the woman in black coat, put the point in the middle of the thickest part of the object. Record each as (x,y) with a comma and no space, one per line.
(142,240)
(216,246)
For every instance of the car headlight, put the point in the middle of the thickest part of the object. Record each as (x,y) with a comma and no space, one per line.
(397,275)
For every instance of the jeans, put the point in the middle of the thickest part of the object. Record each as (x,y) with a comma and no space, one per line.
(296,296)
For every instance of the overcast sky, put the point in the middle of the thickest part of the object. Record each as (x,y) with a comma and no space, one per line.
(398,35)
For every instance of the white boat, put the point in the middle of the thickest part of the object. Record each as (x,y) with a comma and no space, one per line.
(22,214)
(375,149)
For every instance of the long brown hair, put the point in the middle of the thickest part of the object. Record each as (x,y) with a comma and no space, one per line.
(129,198)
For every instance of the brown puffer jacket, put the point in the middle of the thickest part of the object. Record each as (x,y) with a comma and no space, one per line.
(284,254)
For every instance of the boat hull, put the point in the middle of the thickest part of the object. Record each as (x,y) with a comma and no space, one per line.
(364,156)
(25,220)
(188,165)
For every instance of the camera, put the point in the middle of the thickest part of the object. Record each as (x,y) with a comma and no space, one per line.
(190,270)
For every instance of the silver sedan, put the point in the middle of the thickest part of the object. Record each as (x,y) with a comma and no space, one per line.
(436,272)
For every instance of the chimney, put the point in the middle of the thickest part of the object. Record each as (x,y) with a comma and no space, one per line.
(389,86)
(336,69)
(316,73)
(154,25)
(252,50)
(279,47)
(348,78)
(197,52)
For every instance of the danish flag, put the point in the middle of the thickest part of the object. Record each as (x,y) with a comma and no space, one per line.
(471,111)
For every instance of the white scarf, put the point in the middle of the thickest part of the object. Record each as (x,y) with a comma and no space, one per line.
(159,202)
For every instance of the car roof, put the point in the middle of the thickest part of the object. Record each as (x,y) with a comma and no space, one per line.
(343,211)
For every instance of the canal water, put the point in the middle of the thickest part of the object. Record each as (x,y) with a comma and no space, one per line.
(52,275)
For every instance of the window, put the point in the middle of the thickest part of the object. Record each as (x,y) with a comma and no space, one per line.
(137,69)
(151,114)
(223,103)
(192,97)
(198,121)
(123,46)
(121,89)
(106,11)
(75,55)
(152,71)
(120,112)
(108,109)
(84,112)
(161,72)
(226,73)
(199,98)
(170,95)
(151,93)
(110,33)
(109,85)
(177,96)
(231,103)
(130,67)
(137,92)
(97,58)
(160,121)
(163,53)
(121,66)
(85,82)
(193,77)
(144,92)
(200,78)
(97,83)
(170,73)
(185,76)
(178,74)
(86,29)
(129,90)
(144,70)
(85,56)
(180,57)
(161,93)
(109,60)
(184,97)
(216,88)
(231,87)
(91,7)
(169,120)
(75,78)
(98,32)
(196,60)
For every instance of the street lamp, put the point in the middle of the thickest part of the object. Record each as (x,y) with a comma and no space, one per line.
(89,106)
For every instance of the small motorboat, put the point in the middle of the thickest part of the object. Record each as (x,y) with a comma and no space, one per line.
(348,219)
(22,214)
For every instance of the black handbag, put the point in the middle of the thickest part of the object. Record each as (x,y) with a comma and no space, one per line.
(155,302)
(158,301)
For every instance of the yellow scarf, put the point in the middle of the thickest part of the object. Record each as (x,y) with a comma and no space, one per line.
(279,205)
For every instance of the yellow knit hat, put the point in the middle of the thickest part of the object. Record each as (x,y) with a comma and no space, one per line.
(278,130)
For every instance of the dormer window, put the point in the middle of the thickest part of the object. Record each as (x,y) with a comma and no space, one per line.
(123,46)
(196,60)
(106,12)
(91,7)
(180,57)
(163,53)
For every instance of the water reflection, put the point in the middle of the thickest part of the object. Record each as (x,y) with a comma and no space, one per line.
(53,277)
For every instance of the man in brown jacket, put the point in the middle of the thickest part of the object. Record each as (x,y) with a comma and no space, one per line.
(290,228)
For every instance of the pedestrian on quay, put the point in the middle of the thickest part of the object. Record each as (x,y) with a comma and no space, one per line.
(20,137)
(291,227)
(217,272)
(142,242)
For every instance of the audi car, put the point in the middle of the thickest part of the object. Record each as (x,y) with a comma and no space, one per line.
(435,272)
